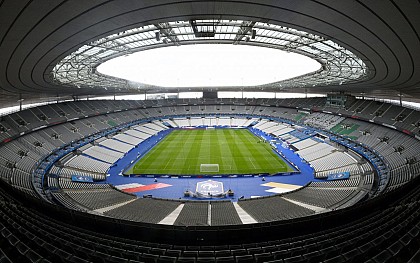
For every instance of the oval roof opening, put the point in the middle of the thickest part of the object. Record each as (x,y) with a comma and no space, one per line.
(209,65)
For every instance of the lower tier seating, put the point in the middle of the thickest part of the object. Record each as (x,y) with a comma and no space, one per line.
(273,208)
(144,210)
(385,229)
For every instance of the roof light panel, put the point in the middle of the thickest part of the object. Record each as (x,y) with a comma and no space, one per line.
(277,36)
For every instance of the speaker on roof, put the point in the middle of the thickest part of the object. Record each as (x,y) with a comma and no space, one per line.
(253,33)
(157,36)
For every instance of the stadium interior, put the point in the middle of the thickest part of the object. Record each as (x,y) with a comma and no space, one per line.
(322,166)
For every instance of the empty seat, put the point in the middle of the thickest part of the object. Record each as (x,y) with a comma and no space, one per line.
(263,257)
(244,259)
(228,259)
(383,257)
(166,259)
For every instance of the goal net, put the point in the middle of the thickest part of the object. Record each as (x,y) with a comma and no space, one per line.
(209,168)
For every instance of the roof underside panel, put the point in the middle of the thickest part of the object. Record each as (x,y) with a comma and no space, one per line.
(37,35)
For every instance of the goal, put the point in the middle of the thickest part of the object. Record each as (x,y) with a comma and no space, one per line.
(209,168)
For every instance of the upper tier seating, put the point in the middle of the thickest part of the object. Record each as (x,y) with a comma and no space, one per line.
(326,121)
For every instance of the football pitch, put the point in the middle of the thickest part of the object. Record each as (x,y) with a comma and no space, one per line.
(236,151)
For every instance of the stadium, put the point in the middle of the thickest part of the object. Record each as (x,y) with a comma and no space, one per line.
(210,131)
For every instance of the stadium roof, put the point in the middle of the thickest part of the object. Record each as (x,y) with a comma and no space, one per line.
(338,64)
(365,47)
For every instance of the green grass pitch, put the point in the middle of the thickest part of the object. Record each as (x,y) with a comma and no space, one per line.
(237,151)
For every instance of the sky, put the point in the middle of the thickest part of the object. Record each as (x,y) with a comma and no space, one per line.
(209,65)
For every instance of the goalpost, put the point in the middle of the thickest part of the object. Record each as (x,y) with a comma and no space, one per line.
(209,168)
